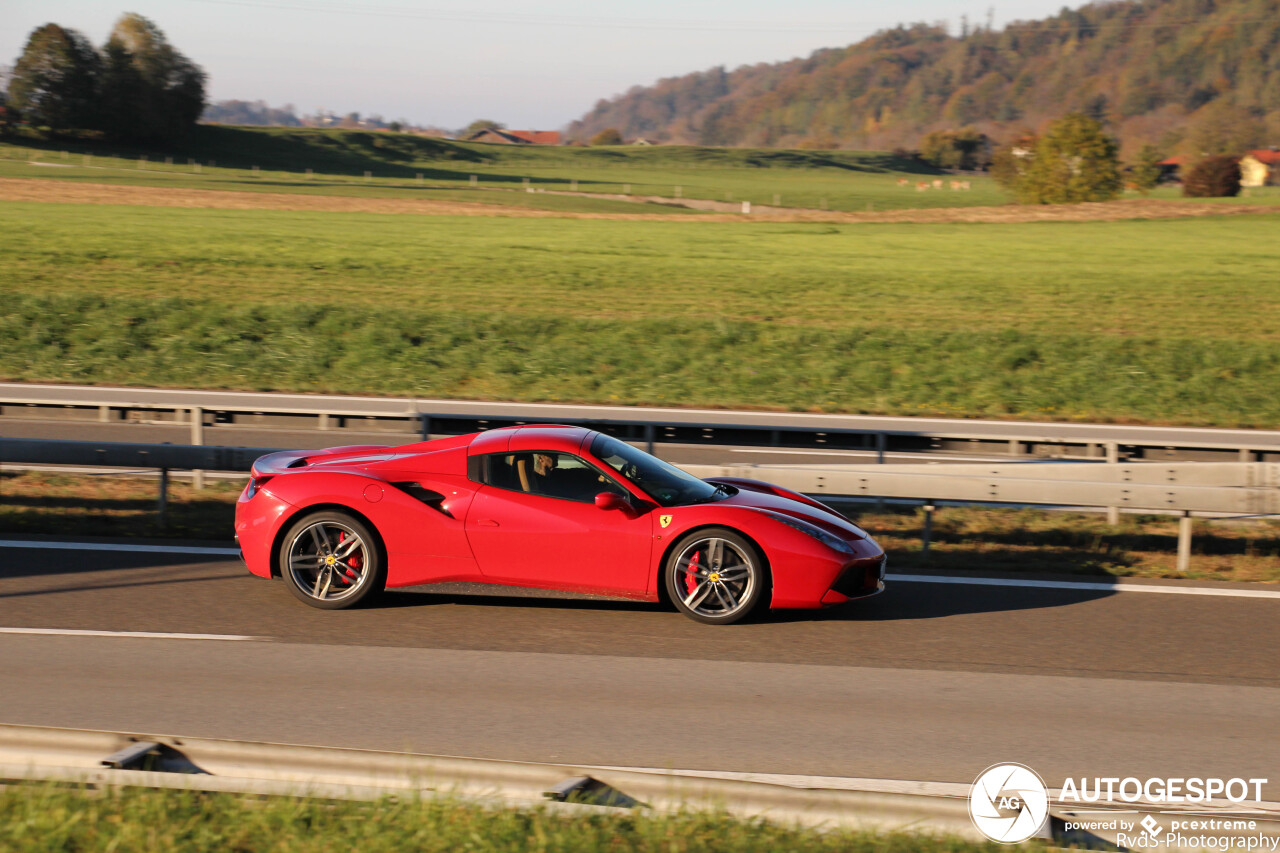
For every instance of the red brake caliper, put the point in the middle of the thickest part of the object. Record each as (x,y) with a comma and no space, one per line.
(691,578)
(353,561)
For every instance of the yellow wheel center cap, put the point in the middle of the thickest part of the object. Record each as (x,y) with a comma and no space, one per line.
(715,577)
(330,560)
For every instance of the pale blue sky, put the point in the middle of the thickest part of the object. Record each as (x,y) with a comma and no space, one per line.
(529,65)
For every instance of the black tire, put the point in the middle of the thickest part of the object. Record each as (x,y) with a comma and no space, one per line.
(716,575)
(320,566)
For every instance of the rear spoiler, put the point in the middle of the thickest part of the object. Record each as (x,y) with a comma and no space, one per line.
(275,463)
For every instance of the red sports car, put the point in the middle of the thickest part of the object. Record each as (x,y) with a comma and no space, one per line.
(555,507)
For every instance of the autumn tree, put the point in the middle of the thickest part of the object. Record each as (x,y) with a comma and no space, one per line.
(1213,177)
(1222,128)
(608,136)
(53,81)
(1074,161)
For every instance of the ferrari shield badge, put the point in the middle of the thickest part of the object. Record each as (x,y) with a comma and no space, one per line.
(664,520)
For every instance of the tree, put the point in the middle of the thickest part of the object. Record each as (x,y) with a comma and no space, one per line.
(158,92)
(1222,128)
(1213,177)
(956,149)
(1074,161)
(1145,172)
(608,136)
(121,101)
(53,81)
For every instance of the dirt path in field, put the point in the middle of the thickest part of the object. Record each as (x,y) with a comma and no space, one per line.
(68,192)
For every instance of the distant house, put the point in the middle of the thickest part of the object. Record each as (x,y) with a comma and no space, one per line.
(1170,170)
(1260,167)
(516,137)
(642,141)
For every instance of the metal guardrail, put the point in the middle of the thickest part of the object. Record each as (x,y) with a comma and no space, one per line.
(202,764)
(37,451)
(1240,488)
(117,758)
(214,410)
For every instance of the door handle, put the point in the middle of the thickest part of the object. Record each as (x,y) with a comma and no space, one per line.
(486,522)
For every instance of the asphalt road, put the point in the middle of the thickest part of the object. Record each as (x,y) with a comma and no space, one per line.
(926,682)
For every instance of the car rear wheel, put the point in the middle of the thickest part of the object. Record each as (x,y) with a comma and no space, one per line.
(331,560)
(716,576)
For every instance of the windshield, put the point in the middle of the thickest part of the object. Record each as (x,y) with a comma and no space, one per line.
(665,483)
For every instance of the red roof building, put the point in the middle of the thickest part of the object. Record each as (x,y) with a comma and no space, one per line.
(517,137)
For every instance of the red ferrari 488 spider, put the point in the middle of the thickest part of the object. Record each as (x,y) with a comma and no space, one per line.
(554,507)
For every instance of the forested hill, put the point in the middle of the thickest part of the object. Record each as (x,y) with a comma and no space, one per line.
(1155,69)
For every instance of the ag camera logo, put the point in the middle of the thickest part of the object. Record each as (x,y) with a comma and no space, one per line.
(1008,803)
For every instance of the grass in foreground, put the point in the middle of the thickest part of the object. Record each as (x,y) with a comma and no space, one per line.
(964,539)
(36,818)
(1173,321)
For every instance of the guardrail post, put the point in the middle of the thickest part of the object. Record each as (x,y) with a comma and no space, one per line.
(197,438)
(323,422)
(1113,458)
(424,426)
(882,441)
(1184,542)
(1246,455)
(926,531)
(648,438)
(162,505)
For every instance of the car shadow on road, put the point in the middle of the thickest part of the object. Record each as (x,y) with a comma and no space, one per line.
(495,595)
(906,600)
(901,600)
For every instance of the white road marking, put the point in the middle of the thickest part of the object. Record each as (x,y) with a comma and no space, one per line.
(114,546)
(919,457)
(1086,585)
(145,635)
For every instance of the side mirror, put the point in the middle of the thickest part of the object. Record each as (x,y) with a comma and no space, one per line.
(611,500)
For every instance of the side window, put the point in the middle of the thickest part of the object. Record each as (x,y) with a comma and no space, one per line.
(546,473)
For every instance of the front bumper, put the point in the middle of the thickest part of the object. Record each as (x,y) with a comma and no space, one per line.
(860,579)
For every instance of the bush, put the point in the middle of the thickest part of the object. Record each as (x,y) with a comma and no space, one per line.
(608,136)
(1213,177)
(1075,161)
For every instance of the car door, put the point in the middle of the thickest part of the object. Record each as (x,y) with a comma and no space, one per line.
(534,522)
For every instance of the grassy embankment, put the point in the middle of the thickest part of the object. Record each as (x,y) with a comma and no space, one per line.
(838,180)
(991,540)
(37,818)
(1172,321)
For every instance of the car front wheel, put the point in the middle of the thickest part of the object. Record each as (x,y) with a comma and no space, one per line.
(716,576)
(331,560)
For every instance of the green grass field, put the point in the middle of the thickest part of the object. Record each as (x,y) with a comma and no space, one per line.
(836,180)
(38,818)
(1166,321)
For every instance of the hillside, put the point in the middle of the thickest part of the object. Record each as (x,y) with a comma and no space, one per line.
(1174,73)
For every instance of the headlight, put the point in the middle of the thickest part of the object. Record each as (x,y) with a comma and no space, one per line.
(835,543)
